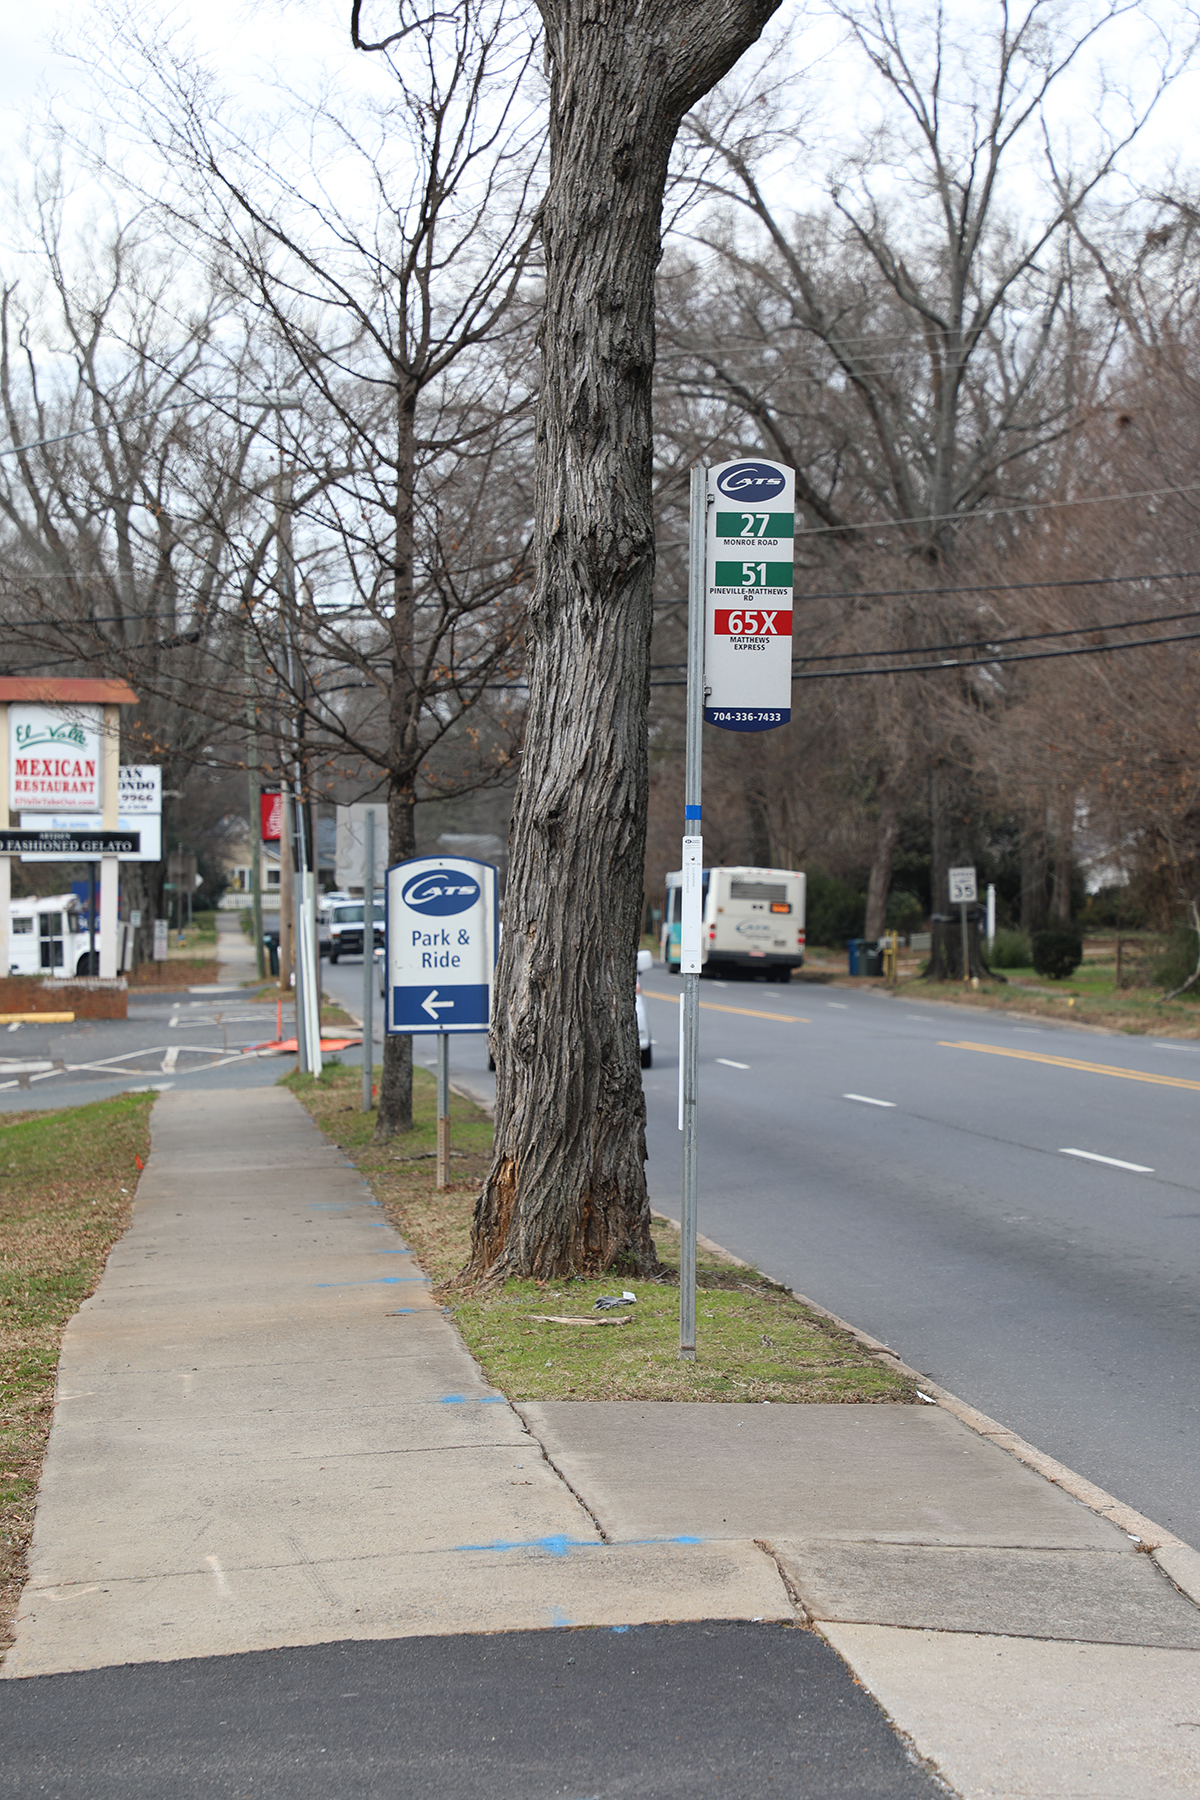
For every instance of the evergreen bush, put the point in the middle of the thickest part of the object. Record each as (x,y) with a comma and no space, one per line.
(1009,950)
(1057,951)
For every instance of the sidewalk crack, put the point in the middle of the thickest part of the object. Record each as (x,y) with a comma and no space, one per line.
(551,1464)
(789,1586)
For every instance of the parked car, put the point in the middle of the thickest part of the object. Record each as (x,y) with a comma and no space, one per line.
(645,962)
(340,926)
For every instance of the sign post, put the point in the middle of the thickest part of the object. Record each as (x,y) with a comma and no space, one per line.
(739,677)
(368,1049)
(440,960)
(963,893)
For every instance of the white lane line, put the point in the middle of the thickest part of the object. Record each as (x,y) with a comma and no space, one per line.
(1114,1162)
(866,1100)
(725,1063)
(170,1059)
(838,1005)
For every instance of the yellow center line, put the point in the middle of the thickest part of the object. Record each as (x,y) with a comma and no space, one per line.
(1067,1062)
(744,1012)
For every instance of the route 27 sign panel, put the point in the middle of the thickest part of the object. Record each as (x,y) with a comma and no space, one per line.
(441,944)
(749,572)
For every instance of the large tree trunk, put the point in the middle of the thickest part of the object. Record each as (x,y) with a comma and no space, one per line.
(567,1186)
(1064,844)
(1033,870)
(887,833)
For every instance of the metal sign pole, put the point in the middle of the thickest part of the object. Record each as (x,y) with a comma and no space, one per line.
(443,1109)
(368,1049)
(966,962)
(691,921)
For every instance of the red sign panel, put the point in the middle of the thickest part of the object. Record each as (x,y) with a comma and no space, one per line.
(272,817)
(753,621)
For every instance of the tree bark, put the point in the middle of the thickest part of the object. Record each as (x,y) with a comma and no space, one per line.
(1033,871)
(887,833)
(567,1189)
(1064,843)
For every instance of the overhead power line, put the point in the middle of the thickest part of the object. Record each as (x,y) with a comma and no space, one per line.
(973,662)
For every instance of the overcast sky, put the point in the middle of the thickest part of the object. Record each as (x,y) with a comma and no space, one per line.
(305,40)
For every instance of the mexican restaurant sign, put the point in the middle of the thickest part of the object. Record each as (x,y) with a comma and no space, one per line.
(54,758)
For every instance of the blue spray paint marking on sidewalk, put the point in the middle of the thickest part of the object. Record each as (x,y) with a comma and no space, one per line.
(480,1399)
(562,1546)
(374,1281)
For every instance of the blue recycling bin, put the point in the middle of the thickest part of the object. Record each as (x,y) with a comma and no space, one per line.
(854,946)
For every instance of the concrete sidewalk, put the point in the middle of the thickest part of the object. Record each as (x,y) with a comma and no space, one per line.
(267,1433)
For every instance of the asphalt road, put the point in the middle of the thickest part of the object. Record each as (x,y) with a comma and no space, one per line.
(927,1172)
(683,1712)
(190,1037)
(857,1148)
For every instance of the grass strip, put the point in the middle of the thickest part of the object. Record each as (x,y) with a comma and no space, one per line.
(66,1186)
(754,1341)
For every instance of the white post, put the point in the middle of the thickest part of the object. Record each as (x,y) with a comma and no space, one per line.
(110,869)
(991,915)
(368,997)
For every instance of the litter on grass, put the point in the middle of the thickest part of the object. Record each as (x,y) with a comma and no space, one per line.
(624,1298)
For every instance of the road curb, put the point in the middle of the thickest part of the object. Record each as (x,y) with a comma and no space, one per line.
(1177,1560)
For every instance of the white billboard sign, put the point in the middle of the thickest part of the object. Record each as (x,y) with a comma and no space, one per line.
(748,614)
(54,759)
(140,802)
(441,945)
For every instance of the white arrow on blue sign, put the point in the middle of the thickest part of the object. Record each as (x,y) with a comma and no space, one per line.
(441,944)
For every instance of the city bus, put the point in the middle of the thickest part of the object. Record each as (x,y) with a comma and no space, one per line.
(49,936)
(753,922)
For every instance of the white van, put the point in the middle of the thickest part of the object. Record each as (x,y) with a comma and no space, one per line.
(340,925)
(48,937)
(753,921)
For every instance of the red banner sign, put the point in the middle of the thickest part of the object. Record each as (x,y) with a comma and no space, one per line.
(272,817)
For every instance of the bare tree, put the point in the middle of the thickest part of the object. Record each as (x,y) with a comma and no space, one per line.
(386,265)
(120,518)
(919,352)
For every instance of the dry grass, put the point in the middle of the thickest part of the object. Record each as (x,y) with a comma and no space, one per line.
(66,1185)
(754,1341)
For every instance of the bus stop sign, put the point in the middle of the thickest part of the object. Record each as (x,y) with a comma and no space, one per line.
(441,945)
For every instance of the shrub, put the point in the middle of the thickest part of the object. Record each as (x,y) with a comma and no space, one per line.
(1057,951)
(1177,961)
(1010,950)
(904,912)
(835,911)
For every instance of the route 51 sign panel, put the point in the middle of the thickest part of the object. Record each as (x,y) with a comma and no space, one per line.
(441,944)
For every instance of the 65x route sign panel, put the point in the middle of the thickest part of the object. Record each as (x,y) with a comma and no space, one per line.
(441,945)
(748,577)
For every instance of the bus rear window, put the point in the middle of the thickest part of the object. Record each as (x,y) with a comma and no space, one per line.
(740,889)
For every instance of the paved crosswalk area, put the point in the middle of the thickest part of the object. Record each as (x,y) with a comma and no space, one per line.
(166,1040)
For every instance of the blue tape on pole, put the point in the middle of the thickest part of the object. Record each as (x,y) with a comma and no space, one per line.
(691,812)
